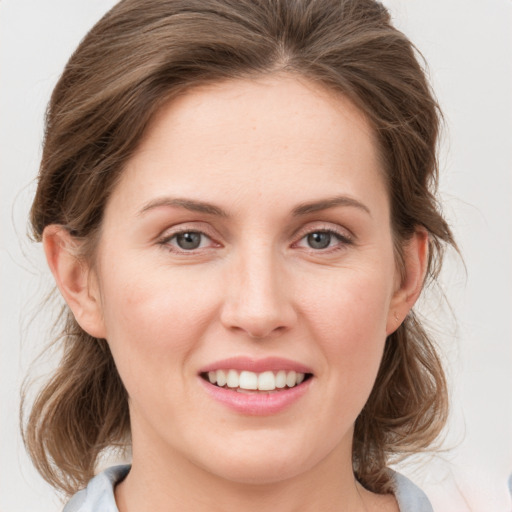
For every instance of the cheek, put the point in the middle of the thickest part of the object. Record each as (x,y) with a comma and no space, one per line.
(349,318)
(349,305)
(154,320)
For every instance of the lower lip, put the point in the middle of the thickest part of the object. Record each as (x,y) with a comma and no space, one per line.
(257,404)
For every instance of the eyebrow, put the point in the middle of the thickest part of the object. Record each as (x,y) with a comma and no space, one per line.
(188,204)
(208,208)
(324,204)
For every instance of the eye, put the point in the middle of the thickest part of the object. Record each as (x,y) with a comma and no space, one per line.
(323,239)
(319,240)
(188,240)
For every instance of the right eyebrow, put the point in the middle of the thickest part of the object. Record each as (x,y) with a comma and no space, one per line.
(187,204)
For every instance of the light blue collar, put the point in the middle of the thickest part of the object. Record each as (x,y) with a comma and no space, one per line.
(98,496)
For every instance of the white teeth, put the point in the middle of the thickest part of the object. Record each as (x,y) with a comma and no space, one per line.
(248,380)
(265,381)
(221,378)
(291,379)
(232,380)
(281,379)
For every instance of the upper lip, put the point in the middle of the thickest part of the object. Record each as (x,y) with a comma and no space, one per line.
(256,365)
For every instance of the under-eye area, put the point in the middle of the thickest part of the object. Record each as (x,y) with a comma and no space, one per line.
(254,382)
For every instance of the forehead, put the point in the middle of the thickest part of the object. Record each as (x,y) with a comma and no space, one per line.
(279,134)
(276,108)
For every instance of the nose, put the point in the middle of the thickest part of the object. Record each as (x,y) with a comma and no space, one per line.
(258,296)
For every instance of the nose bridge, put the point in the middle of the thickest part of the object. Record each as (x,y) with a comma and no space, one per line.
(257,299)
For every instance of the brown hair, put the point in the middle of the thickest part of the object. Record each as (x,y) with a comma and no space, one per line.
(142,54)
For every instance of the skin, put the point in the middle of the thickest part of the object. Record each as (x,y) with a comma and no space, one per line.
(255,287)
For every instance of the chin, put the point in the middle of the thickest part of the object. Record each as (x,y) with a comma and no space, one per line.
(262,472)
(264,463)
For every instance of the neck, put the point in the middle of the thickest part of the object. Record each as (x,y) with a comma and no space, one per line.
(167,482)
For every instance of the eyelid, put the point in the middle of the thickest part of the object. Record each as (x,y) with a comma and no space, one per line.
(344,236)
(168,234)
(328,227)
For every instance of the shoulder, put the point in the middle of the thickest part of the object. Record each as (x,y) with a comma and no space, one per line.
(99,493)
(409,496)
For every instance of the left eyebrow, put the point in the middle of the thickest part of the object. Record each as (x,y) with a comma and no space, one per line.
(324,204)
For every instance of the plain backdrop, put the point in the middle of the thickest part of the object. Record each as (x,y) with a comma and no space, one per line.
(468,45)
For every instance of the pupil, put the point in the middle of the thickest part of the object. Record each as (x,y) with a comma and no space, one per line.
(189,240)
(319,240)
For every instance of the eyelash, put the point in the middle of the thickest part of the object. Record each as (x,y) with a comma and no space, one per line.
(166,241)
(343,241)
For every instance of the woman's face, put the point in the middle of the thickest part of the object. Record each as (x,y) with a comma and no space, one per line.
(249,233)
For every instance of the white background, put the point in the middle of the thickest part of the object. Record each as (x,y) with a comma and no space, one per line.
(468,44)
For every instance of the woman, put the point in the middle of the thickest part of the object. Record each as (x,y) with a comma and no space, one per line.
(236,199)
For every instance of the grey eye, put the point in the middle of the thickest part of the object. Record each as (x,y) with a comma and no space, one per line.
(189,240)
(319,240)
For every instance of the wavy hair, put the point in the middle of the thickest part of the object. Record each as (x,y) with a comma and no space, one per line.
(142,54)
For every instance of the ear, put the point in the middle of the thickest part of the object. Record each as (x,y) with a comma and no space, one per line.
(415,259)
(75,280)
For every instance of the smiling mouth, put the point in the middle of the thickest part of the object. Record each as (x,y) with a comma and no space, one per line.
(253,382)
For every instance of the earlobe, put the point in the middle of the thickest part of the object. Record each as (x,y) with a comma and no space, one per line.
(415,259)
(73,278)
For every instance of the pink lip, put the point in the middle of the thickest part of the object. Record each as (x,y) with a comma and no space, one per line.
(257,404)
(256,365)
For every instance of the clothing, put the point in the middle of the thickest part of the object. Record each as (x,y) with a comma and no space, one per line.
(98,496)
